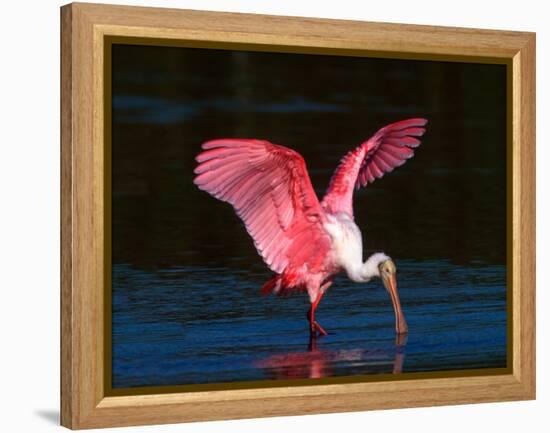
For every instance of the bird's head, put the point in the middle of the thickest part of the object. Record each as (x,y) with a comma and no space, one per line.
(387,272)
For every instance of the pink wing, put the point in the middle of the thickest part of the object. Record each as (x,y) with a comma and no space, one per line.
(269,187)
(389,148)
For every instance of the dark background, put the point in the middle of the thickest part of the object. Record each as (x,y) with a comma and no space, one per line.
(180,256)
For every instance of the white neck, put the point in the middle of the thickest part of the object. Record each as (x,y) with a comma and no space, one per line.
(347,245)
(363,272)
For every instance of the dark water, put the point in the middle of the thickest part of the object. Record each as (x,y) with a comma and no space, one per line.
(186,277)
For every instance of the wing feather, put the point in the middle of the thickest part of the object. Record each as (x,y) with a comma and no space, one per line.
(270,190)
(389,148)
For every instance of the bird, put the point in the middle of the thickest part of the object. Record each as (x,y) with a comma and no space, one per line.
(304,241)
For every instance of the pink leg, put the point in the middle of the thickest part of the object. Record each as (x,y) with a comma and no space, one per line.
(314,326)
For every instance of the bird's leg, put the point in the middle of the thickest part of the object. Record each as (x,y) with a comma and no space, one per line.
(314,326)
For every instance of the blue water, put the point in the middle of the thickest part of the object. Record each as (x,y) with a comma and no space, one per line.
(208,325)
(186,278)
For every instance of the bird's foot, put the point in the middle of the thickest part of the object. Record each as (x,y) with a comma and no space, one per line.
(316,328)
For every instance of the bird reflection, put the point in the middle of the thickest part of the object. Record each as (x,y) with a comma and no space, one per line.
(316,363)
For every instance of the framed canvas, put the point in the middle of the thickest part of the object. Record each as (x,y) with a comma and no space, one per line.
(185,194)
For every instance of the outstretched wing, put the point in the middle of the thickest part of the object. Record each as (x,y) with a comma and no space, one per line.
(389,148)
(270,190)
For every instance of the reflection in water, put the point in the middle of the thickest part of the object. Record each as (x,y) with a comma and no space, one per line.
(400,343)
(317,363)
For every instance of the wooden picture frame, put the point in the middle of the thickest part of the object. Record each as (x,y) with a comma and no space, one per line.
(84,31)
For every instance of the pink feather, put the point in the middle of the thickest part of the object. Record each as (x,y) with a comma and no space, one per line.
(269,187)
(389,148)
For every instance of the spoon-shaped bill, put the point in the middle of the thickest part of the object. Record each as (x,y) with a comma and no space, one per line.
(390,283)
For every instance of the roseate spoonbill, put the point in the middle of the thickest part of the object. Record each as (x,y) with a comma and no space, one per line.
(304,241)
